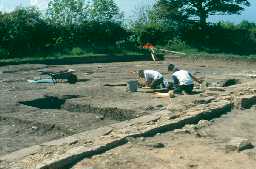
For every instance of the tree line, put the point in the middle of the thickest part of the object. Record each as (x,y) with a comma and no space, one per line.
(76,26)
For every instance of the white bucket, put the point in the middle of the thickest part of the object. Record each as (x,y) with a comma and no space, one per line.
(132,85)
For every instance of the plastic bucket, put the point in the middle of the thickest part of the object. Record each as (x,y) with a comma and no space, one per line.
(132,85)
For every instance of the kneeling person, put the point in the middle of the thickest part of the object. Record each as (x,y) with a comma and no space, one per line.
(182,80)
(152,78)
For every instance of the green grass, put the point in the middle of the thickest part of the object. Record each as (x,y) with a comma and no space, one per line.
(83,55)
(196,54)
(71,56)
(226,56)
(180,46)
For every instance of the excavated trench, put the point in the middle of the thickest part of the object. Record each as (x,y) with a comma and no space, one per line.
(50,102)
(53,118)
(69,106)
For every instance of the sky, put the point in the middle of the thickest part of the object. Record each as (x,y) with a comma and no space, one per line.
(130,6)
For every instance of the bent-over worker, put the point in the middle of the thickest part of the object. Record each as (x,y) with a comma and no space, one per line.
(182,80)
(152,78)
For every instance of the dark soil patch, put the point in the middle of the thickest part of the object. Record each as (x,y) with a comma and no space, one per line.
(45,103)
(230,82)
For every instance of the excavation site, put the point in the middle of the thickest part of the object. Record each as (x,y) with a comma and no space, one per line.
(97,123)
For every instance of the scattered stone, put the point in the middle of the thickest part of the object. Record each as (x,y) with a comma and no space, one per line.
(173,116)
(219,89)
(176,107)
(142,138)
(182,131)
(205,100)
(34,128)
(204,85)
(100,117)
(252,76)
(238,144)
(203,123)
(160,106)
(89,168)
(192,165)
(155,145)
(131,139)
(73,142)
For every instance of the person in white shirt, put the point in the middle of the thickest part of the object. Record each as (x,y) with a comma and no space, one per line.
(152,78)
(182,80)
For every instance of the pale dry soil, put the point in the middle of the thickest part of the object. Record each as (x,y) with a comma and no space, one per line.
(32,114)
(194,147)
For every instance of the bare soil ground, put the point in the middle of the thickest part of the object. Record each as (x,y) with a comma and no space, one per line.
(34,113)
(195,146)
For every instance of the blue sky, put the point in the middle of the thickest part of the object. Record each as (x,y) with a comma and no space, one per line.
(129,6)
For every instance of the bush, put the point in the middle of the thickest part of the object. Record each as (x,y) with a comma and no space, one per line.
(152,33)
(222,37)
(177,44)
(4,53)
(25,32)
(77,51)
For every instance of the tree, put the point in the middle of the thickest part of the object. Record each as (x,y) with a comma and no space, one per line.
(67,12)
(104,10)
(22,32)
(198,9)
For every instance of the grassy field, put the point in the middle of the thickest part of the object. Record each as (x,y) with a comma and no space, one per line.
(76,59)
(117,57)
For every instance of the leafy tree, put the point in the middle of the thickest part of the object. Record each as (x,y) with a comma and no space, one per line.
(67,12)
(149,28)
(247,25)
(104,10)
(141,15)
(22,31)
(198,9)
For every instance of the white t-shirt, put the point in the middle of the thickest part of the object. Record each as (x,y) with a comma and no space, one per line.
(151,75)
(184,77)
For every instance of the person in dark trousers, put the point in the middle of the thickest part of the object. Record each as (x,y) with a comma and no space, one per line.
(152,78)
(182,80)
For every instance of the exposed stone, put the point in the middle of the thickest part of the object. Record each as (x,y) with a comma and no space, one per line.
(34,128)
(147,125)
(238,144)
(20,154)
(204,85)
(100,117)
(160,106)
(155,145)
(205,100)
(219,89)
(176,108)
(203,123)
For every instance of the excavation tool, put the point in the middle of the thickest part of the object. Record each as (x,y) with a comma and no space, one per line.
(157,52)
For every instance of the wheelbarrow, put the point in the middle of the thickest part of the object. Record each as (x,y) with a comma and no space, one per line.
(60,76)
